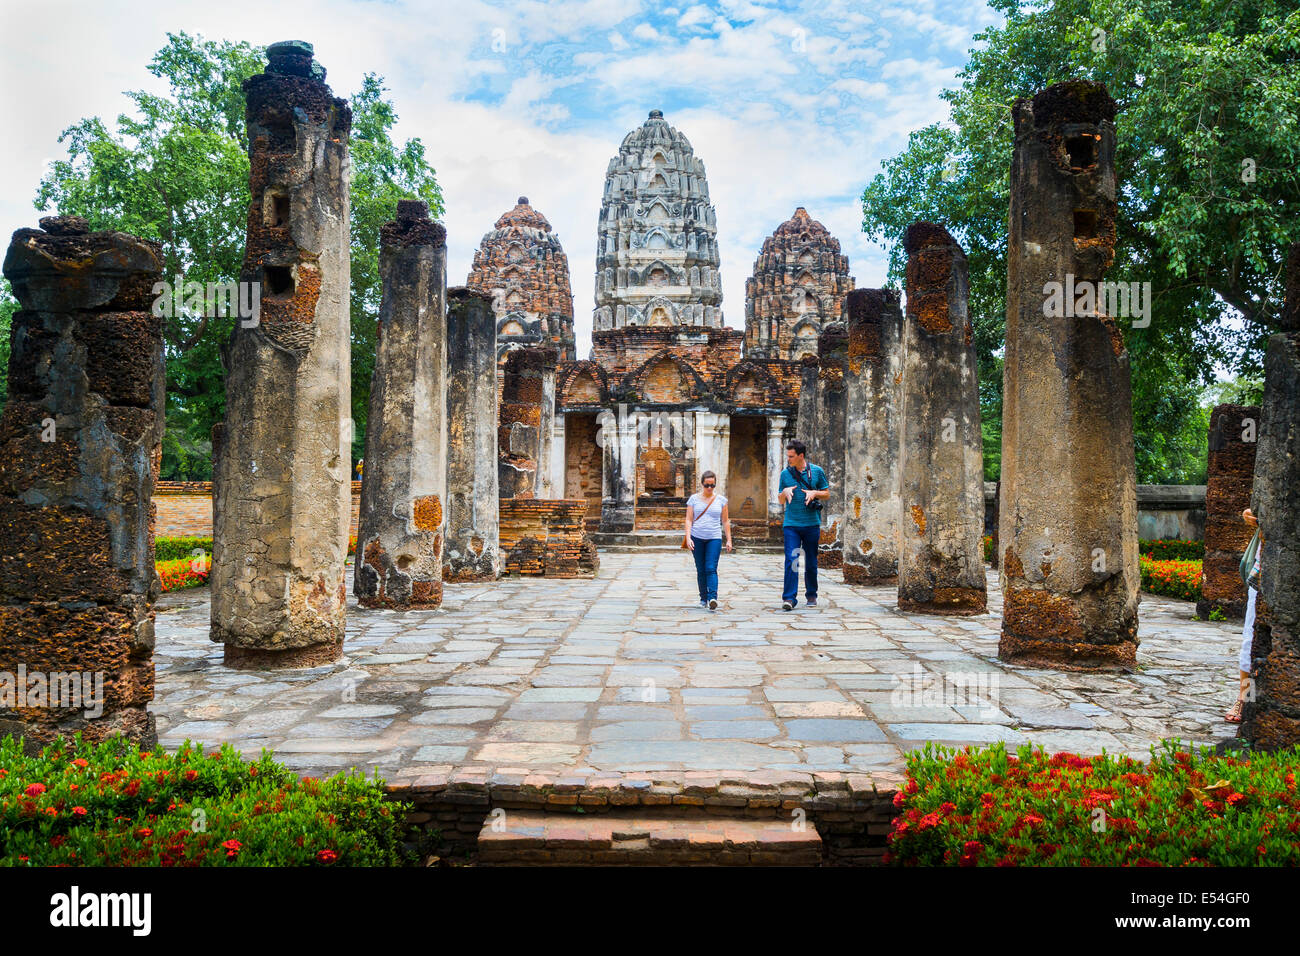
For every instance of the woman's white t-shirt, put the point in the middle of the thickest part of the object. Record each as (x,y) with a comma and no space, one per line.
(706,525)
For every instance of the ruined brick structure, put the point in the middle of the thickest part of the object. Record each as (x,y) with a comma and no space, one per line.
(472,551)
(799,283)
(1234,430)
(1068,515)
(80,445)
(546,538)
(667,393)
(941,449)
(281,501)
(873,405)
(524,427)
(1272,719)
(404,485)
(522,266)
(822,427)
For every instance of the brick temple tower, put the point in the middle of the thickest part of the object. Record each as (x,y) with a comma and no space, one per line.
(666,394)
(799,283)
(521,264)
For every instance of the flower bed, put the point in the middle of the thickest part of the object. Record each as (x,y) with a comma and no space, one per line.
(110,804)
(1179,579)
(184,572)
(985,807)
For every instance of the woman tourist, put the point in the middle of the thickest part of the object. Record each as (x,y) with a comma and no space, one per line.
(1249,575)
(706,520)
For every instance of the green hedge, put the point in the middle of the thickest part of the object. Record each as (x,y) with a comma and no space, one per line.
(985,807)
(172,549)
(111,804)
(1174,550)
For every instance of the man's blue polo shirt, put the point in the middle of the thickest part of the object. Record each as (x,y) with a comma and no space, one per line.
(797,512)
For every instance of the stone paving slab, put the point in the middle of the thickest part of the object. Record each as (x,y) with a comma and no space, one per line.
(625,674)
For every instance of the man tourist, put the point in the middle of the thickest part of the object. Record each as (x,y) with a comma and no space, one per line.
(803,488)
(706,519)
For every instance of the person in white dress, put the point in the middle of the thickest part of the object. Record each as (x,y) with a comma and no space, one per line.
(1233,716)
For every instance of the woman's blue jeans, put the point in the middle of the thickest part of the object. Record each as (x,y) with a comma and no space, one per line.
(707,551)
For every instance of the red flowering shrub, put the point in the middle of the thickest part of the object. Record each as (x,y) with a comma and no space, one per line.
(184,572)
(985,807)
(111,804)
(1180,579)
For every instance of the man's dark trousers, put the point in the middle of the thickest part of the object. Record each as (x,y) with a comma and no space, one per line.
(805,538)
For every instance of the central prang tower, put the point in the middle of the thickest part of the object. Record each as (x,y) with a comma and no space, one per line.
(656,249)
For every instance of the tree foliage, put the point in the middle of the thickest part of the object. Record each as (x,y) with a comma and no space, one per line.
(176,169)
(1208,137)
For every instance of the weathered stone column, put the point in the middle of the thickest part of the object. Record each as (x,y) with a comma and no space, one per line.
(1272,719)
(281,497)
(404,485)
(712,448)
(941,472)
(617,435)
(526,415)
(554,486)
(1234,430)
(776,425)
(827,447)
(80,445)
(473,550)
(872,408)
(1068,515)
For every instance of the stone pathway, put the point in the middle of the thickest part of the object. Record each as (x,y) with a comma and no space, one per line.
(625,673)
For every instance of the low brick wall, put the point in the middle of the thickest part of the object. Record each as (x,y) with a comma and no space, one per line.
(185,508)
(853,813)
(546,537)
(660,514)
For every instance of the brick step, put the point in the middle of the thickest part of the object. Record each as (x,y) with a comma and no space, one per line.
(540,838)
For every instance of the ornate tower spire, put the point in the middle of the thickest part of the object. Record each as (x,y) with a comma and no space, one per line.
(656,251)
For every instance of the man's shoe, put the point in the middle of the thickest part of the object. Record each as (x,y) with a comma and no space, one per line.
(812,603)
(713,604)
(787,605)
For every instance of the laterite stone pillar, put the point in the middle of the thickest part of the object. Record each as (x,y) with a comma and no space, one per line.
(404,485)
(281,495)
(1234,433)
(872,416)
(80,445)
(1068,515)
(940,558)
(473,551)
(1272,719)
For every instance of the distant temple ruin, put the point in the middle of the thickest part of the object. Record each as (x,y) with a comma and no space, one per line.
(522,266)
(670,391)
(799,283)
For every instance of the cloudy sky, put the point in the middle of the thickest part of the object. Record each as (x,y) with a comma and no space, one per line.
(787,103)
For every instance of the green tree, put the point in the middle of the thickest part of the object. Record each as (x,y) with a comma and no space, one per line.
(8,306)
(1208,142)
(176,170)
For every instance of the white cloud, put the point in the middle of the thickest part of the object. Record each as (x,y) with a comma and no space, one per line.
(788,103)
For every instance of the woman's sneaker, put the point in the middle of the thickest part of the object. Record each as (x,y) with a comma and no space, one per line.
(703,603)
(787,605)
(713,604)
